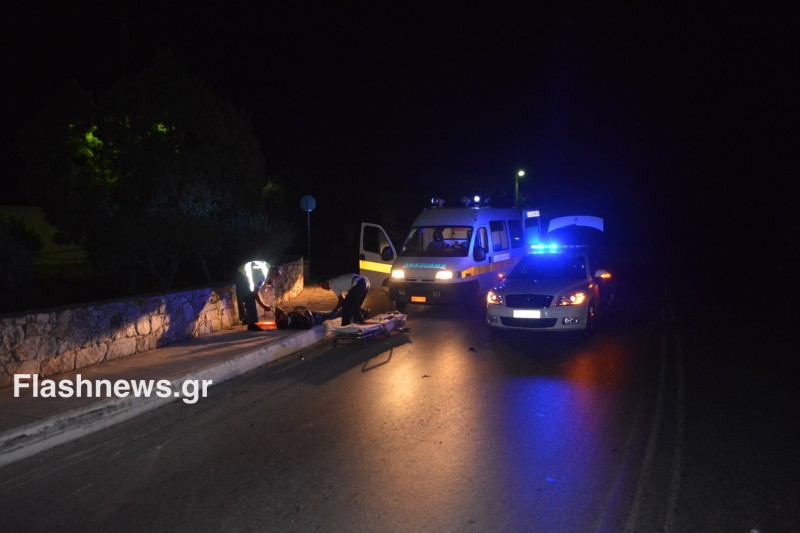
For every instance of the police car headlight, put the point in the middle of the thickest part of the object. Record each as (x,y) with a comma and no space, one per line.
(444,274)
(398,274)
(492,298)
(575,298)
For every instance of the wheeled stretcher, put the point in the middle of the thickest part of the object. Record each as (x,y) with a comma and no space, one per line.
(378,326)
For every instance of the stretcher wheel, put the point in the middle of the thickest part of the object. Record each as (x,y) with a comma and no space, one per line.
(334,343)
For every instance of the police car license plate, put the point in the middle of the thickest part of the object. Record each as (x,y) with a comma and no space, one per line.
(527,313)
(419,299)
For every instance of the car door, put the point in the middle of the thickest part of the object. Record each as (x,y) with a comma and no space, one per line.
(376,255)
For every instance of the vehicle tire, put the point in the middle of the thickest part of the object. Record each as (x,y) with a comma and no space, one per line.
(497,332)
(591,319)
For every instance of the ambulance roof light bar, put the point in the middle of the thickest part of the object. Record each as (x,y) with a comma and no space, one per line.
(475,201)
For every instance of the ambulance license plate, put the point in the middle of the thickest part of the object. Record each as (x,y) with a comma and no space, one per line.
(419,299)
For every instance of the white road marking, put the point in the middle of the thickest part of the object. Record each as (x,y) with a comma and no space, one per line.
(677,459)
(652,440)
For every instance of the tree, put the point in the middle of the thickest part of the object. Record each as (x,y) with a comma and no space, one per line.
(153,173)
(20,247)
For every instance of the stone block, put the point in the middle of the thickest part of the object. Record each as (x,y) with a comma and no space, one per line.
(91,355)
(121,348)
(28,367)
(28,348)
(48,347)
(143,325)
(58,365)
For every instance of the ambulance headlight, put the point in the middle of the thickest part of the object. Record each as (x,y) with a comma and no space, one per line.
(444,274)
(398,273)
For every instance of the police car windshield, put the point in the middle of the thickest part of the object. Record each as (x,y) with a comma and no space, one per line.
(437,241)
(550,266)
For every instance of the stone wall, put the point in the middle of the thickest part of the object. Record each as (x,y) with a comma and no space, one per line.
(52,341)
(289,285)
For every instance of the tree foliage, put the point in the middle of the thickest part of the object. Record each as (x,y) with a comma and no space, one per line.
(157,172)
(20,247)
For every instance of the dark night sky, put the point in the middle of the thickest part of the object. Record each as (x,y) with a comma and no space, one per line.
(642,115)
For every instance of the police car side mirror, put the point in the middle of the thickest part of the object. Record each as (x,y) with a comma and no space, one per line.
(387,254)
(478,254)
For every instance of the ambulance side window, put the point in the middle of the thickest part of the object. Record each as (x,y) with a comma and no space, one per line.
(374,240)
(499,235)
(482,239)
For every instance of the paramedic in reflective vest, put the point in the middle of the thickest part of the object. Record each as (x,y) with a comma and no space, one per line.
(351,290)
(250,279)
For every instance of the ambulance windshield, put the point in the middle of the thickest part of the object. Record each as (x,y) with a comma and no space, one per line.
(437,241)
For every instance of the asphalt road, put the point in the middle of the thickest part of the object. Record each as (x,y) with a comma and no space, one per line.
(659,422)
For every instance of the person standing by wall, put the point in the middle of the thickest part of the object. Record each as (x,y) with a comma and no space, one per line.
(351,290)
(250,279)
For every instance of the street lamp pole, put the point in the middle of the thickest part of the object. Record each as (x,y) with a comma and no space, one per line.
(520,173)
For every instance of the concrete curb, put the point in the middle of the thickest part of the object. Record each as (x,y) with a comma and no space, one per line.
(41,435)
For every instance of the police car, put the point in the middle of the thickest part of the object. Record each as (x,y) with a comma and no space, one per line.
(560,288)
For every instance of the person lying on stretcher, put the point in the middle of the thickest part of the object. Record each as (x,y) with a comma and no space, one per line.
(302,318)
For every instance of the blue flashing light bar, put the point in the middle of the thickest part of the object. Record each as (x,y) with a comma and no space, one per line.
(545,248)
(554,248)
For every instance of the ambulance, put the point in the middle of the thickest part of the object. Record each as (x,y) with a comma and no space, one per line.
(452,255)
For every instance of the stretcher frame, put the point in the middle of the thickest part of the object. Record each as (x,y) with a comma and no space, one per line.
(380,326)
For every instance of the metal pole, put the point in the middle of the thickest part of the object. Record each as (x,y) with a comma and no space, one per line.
(308,217)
